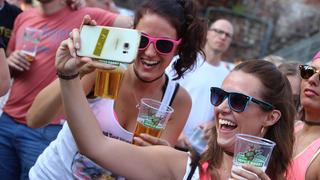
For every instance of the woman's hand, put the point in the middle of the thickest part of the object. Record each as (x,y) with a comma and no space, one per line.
(248,172)
(67,61)
(148,140)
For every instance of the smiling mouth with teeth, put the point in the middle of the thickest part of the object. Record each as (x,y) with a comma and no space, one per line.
(225,124)
(150,63)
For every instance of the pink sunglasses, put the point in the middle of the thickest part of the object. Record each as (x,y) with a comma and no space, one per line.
(162,45)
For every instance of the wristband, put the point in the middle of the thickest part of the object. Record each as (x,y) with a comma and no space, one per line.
(67,77)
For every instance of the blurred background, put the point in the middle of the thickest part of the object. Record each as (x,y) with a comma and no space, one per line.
(287,28)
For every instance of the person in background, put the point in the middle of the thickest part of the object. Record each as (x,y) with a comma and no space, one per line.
(306,154)
(163,25)
(104,4)
(269,115)
(8,14)
(4,71)
(291,70)
(20,145)
(209,71)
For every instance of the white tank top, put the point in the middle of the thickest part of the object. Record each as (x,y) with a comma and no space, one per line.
(61,160)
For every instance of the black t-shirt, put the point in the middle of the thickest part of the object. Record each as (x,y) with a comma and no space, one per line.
(7,16)
(2,44)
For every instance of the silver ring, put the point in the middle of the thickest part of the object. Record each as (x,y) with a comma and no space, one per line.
(70,35)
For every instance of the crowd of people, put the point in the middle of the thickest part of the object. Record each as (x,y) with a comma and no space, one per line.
(53,127)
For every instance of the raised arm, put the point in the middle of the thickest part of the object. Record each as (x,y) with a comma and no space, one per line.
(130,161)
(47,106)
(4,73)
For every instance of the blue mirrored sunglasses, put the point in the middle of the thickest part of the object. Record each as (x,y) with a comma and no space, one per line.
(237,102)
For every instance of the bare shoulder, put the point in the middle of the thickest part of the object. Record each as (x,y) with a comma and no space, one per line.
(182,99)
(182,106)
(313,170)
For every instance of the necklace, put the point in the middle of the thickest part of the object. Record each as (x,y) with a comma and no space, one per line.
(312,123)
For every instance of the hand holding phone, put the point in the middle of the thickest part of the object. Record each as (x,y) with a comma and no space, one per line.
(110,45)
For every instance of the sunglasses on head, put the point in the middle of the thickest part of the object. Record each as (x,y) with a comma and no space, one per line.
(237,102)
(162,45)
(307,71)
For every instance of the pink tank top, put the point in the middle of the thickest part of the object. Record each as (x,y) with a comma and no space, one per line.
(204,171)
(301,162)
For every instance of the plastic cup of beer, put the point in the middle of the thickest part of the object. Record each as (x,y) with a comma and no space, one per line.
(30,41)
(152,117)
(252,150)
(108,82)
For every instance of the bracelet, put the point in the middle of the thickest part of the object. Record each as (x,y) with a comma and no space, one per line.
(67,77)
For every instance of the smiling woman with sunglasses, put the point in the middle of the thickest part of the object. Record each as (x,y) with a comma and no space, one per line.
(306,155)
(255,99)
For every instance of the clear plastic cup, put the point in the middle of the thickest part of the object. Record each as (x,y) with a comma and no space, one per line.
(252,150)
(152,117)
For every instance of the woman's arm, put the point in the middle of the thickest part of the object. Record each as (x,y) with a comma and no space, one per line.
(4,74)
(130,161)
(47,106)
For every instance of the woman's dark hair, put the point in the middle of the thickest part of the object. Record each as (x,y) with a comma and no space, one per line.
(183,15)
(277,91)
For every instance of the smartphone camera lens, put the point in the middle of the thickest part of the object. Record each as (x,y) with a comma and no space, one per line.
(126,45)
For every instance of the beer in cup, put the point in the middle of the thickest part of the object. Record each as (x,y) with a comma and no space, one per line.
(152,117)
(108,82)
(30,41)
(252,150)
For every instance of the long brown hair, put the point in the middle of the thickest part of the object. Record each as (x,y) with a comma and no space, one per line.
(190,27)
(277,91)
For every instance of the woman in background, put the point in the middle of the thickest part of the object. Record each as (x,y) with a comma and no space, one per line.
(306,161)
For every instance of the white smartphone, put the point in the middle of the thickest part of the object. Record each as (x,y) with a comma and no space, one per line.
(111,45)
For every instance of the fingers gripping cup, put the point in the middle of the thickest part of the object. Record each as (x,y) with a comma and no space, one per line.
(152,117)
(252,150)
(108,82)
